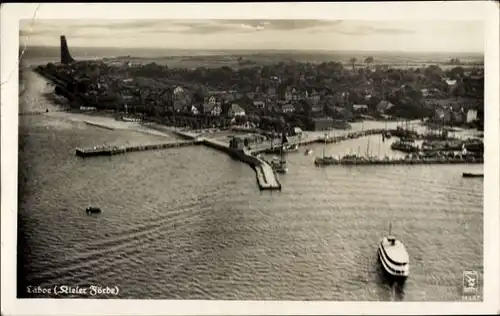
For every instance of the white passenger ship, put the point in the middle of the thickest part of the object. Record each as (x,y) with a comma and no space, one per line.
(394,257)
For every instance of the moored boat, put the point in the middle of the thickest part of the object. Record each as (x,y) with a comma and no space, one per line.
(472,175)
(308,151)
(405,146)
(279,165)
(92,210)
(394,257)
(291,148)
(325,160)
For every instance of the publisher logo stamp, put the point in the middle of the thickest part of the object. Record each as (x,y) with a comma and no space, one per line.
(470,282)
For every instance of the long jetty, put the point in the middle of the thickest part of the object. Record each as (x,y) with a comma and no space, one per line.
(117,150)
(403,161)
(266,177)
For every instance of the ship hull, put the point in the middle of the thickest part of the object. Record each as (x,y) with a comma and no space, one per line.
(399,278)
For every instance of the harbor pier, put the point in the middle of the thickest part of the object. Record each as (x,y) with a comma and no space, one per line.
(267,148)
(117,150)
(266,177)
(361,161)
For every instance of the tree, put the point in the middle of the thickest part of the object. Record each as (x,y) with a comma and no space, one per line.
(456,72)
(352,61)
(369,60)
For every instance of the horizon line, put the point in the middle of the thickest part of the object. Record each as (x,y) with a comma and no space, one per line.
(260,49)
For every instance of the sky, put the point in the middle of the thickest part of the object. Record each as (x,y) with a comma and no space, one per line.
(332,35)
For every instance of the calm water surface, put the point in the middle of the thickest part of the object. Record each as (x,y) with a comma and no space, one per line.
(190,223)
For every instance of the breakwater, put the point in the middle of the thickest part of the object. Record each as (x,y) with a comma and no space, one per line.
(266,177)
(402,161)
(117,150)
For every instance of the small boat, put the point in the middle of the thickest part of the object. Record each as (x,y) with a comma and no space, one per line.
(394,257)
(92,210)
(308,151)
(291,148)
(472,175)
(281,168)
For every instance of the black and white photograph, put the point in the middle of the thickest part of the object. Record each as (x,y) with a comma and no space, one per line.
(211,156)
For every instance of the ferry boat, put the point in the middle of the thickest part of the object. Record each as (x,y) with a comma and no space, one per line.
(394,257)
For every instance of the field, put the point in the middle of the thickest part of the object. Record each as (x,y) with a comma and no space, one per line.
(219,58)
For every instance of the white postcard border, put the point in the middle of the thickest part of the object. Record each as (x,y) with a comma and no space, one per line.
(474,10)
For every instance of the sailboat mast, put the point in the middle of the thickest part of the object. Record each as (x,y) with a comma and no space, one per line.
(390,228)
(324,147)
(379,146)
(281,147)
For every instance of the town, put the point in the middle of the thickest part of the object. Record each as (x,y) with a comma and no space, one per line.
(276,97)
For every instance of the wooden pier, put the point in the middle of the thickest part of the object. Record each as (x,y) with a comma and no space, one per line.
(403,161)
(319,139)
(117,150)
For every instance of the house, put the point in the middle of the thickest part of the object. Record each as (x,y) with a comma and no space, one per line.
(459,117)
(471,116)
(178,91)
(271,91)
(212,100)
(452,84)
(313,95)
(212,109)
(179,105)
(360,108)
(194,110)
(321,124)
(340,110)
(288,108)
(229,97)
(316,111)
(259,104)
(236,110)
(384,106)
(443,115)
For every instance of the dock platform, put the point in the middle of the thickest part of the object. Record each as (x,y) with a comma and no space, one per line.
(403,161)
(266,177)
(117,150)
